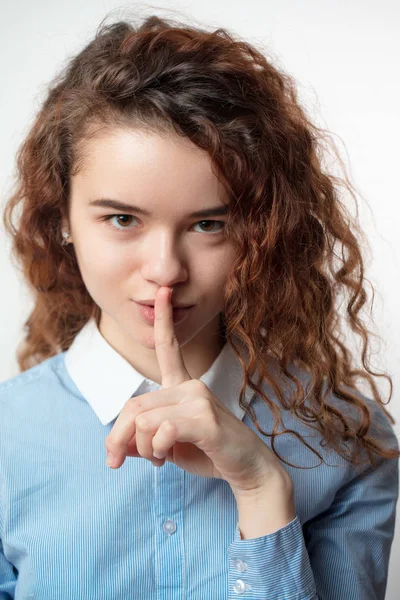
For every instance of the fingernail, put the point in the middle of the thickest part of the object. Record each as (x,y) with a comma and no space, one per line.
(110,459)
(158,454)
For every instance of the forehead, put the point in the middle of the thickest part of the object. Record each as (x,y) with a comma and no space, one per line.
(133,163)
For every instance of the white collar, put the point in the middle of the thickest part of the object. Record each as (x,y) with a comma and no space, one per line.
(107,380)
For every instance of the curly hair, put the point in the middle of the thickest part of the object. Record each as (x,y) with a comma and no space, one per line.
(285,215)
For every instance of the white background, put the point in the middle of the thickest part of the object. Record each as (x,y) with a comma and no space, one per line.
(344,55)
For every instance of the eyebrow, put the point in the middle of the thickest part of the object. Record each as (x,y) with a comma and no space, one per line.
(214,211)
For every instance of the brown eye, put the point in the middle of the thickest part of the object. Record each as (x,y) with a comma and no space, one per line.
(122,220)
(213,223)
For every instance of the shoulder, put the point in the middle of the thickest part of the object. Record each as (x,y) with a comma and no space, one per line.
(380,422)
(30,379)
(381,426)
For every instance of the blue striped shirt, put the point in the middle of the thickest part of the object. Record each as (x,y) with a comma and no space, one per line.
(72,528)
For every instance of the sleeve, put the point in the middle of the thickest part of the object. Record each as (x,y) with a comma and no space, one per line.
(341,554)
(272,567)
(8,573)
(7,577)
(354,536)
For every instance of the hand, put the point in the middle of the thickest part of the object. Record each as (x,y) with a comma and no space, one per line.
(185,423)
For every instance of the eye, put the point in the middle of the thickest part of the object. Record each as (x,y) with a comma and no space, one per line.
(214,222)
(108,219)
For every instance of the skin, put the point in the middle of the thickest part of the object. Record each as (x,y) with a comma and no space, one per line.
(170,177)
(186,423)
(183,422)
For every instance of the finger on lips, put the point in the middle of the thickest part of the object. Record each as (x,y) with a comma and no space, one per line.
(169,355)
(172,371)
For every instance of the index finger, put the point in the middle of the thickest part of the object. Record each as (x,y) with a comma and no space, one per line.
(169,355)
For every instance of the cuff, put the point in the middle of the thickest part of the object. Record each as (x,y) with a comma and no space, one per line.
(273,567)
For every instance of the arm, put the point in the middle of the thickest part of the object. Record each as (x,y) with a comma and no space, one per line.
(355,536)
(254,520)
(341,554)
(268,559)
(7,577)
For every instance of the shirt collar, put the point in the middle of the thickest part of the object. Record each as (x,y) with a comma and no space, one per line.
(107,380)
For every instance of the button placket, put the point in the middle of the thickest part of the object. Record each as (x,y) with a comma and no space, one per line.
(240,586)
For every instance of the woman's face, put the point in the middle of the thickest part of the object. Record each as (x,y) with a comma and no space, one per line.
(129,256)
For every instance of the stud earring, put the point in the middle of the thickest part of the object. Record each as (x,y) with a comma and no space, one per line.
(65,235)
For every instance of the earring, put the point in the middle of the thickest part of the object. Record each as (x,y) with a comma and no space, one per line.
(65,235)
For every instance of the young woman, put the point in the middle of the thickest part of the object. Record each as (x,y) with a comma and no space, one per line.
(170,157)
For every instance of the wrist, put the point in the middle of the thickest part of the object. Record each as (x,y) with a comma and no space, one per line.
(264,511)
(276,484)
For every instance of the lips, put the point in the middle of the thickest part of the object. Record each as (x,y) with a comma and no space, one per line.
(174,305)
(148,312)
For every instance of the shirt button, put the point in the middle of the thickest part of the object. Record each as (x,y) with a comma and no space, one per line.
(169,526)
(241,587)
(240,565)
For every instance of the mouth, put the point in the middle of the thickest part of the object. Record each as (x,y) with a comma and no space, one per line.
(151,303)
(148,313)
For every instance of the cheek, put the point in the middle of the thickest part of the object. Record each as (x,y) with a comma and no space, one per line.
(222,266)
(213,276)
(101,264)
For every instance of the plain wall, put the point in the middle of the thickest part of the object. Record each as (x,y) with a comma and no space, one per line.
(344,57)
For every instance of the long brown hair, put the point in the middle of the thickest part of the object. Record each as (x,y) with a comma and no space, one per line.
(298,248)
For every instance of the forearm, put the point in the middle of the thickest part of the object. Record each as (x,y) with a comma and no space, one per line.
(266,510)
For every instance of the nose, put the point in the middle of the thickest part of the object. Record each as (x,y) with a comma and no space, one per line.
(163,262)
